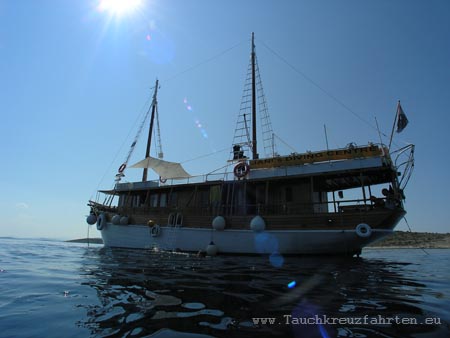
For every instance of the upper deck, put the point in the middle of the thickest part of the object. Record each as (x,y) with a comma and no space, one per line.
(337,169)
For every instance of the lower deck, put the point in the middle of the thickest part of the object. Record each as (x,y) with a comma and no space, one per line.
(346,218)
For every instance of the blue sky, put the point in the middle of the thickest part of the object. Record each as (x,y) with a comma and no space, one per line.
(75,81)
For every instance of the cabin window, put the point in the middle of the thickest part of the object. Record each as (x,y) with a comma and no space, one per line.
(288,194)
(121,202)
(203,197)
(136,200)
(320,200)
(142,201)
(239,201)
(173,199)
(215,195)
(261,193)
(163,200)
(154,200)
(127,201)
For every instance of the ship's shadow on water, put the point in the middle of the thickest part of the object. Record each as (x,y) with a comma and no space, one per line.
(158,294)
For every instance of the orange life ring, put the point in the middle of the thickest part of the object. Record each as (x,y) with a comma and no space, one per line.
(241,169)
(122,167)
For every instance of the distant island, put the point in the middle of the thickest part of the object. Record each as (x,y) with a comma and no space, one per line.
(400,239)
(86,240)
(406,239)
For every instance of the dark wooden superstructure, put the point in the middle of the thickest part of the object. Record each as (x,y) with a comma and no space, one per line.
(297,201)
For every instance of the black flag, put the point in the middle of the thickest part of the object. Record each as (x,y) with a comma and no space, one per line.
(402,120)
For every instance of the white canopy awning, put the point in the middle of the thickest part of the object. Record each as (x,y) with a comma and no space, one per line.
(164,169)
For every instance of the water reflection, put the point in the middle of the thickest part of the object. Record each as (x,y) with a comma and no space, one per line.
(144,293)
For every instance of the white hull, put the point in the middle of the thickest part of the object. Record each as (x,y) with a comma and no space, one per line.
(240,241)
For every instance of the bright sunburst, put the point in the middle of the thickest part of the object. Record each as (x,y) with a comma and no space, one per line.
(119,7)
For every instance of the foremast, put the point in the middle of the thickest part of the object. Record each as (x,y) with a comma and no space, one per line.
(154,111)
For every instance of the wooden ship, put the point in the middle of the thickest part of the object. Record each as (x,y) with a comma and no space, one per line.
(334,201)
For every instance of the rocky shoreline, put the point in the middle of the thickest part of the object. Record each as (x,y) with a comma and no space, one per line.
(406,239)
(86,240)
(400,239)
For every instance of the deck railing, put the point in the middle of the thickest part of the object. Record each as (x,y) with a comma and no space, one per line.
(228,175)
(330,207)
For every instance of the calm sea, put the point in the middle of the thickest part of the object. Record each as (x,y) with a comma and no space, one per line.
(57,289)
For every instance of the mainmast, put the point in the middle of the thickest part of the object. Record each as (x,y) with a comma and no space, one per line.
(253,99)
(254,148)
(150,132)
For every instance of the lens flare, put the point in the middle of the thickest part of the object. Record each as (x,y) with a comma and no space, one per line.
(276,260)
(266,243)
(197,122)
(158,47)
(309,312)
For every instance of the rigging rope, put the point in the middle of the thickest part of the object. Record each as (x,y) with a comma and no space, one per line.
(120,149)
(285,143)
(158,144)
(206,155)
(415,239)
(334,98)
(204,62)
(146,104)
(306,77)
(138,134)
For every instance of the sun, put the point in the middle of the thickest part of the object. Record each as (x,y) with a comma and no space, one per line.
(119,7)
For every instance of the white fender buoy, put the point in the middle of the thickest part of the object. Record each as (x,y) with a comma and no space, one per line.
(91,219)
(218,223)
(363,230)
(257,224)
(124,220)
(212,249)
(101,221)
(115,220)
